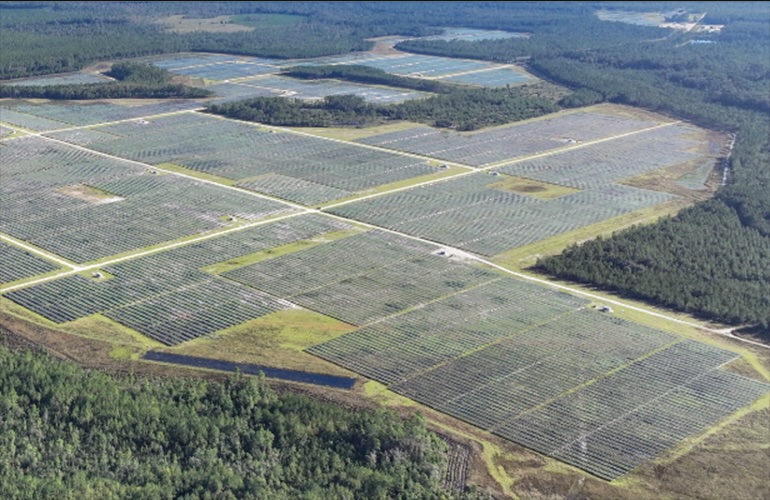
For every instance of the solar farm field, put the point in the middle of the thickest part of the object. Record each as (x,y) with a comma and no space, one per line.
(313,89)
(230,92)
(84,206)
(5,132)
(612,161)
(439,68)
(469,213)
(299,168)
(594,391)
(226,70)
(53,116)
(166,295)
(406,344)
(504,143)
(19,263)
(165,221)
(176,61)
(71,79)
(498,77)
(380,274)
(423,66)
(588,153)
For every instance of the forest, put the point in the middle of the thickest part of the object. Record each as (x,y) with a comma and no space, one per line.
(368,75)
(460,109)
(130,80)
(68,433)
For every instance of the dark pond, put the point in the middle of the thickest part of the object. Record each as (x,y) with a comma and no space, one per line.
(227,366)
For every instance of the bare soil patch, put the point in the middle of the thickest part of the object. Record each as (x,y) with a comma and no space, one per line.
(89,194)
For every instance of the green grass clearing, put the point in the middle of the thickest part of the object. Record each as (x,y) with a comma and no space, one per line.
(352,134)
(528,187)
(100,327)
(219,24)
(172,167)
(270,253)
(95,327)
(275,340)
(521,258)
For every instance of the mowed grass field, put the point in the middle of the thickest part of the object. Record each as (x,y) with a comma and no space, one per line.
(390,284)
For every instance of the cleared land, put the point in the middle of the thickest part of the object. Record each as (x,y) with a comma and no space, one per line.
(146,209)
(473,35)
(594,391)
(531,365)
(165,295)
(468,213)
(299,168)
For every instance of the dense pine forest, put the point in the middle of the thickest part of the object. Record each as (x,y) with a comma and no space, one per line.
(460,109)
(130,80)
(367,74)
(68,433)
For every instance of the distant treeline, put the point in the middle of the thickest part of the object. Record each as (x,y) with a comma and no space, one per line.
(368,75)
(460,109)
(132,80)
(56,37)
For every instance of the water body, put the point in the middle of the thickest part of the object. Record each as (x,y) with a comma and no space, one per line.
(249,369)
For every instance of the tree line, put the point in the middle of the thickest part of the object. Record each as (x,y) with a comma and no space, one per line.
(368,75)
(66,432)
(461,109)
(131,80)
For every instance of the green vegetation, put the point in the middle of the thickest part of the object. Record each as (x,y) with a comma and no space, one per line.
(262,21)
(720,85)
(665,262)
(461,109)
(67,432)
(134,72)
(369,75)
(132,80)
